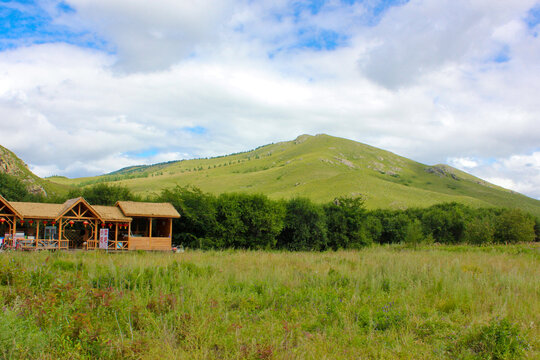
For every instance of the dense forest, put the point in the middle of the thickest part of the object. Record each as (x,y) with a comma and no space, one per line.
(247,221)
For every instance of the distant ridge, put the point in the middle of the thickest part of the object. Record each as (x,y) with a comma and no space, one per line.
(320,167)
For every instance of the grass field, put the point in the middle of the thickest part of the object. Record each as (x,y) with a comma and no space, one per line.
(382,302)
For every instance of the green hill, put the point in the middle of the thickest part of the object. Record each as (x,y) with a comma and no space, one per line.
(12,165)
(320,167)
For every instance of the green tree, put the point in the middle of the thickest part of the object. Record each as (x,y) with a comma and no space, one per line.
(104,194)
(197,226)
(446,222)
(479,231)
(13,189)
(514,226)
(249,221)
(414,235)
(304,227)
(394,226)
(345,223)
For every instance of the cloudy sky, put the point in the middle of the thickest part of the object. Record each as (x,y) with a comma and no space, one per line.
(90,86)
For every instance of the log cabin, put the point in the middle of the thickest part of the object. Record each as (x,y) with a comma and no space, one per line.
(76,224)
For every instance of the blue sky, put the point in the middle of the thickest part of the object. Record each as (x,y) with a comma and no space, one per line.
(448,81)
(35,22)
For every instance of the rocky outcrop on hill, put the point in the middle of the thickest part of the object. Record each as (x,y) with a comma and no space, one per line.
(441,172)
(12,165)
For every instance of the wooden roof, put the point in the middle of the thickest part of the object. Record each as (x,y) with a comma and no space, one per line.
(122,211)
(37,210)
(111,213)
(7,204)
(133,208)
(69,204)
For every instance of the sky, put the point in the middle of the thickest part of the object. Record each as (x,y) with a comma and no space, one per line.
(91,86)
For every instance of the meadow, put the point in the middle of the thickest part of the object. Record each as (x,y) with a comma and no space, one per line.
(382,302)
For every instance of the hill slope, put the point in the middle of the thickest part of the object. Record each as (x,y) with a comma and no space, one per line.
(321,167)
(12,165)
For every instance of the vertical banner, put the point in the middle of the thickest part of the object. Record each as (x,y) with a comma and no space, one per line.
(104,238)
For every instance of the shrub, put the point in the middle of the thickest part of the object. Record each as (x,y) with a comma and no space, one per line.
(498,340)
(12,188)
(304,227)
(446,222)
(394,226)
(198,216)
(414,235)
(345,222)
(514,226)
(249,221)
(479,231)
(103,194)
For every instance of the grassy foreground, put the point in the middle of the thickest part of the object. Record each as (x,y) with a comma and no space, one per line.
(381,302)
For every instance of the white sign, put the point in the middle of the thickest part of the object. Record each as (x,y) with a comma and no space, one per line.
(104,238)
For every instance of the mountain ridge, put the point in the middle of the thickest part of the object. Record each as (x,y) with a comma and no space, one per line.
(320,167)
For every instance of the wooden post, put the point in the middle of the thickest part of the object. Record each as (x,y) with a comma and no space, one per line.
(116,236)
(37,233)
(14,231)
(96,234)
(129,234)
(170,228)
(150,230)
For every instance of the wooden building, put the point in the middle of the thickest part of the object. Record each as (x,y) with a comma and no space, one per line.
(76,224)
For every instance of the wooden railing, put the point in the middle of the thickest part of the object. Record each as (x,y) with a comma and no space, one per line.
(38,244)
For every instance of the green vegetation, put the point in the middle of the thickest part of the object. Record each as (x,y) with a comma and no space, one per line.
(384,302)
(12,188)
(251,221)
(11,165)
(320,168)
(103,194)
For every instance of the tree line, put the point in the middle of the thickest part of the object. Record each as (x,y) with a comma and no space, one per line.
(254,221)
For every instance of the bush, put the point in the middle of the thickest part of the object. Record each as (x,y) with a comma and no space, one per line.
(479,231)
(514,226)
(304,227)
(394,226)
(12,188)
(414,235)
(249,221)
(446,222)
(497,340)
(345,223)
(103,194)
(198,216)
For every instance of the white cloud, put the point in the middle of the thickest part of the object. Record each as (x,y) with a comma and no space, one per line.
(463,163)
(426,36)
(427,89)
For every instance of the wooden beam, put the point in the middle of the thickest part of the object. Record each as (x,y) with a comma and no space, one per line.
(170,228)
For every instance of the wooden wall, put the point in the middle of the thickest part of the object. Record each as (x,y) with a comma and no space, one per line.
(147,243)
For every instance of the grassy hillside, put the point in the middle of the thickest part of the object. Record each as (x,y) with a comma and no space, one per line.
(320,167)
(12,165)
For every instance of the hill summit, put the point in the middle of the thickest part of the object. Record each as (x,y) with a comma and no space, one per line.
(320,167)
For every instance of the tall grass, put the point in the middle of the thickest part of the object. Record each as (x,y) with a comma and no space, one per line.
(380,302)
